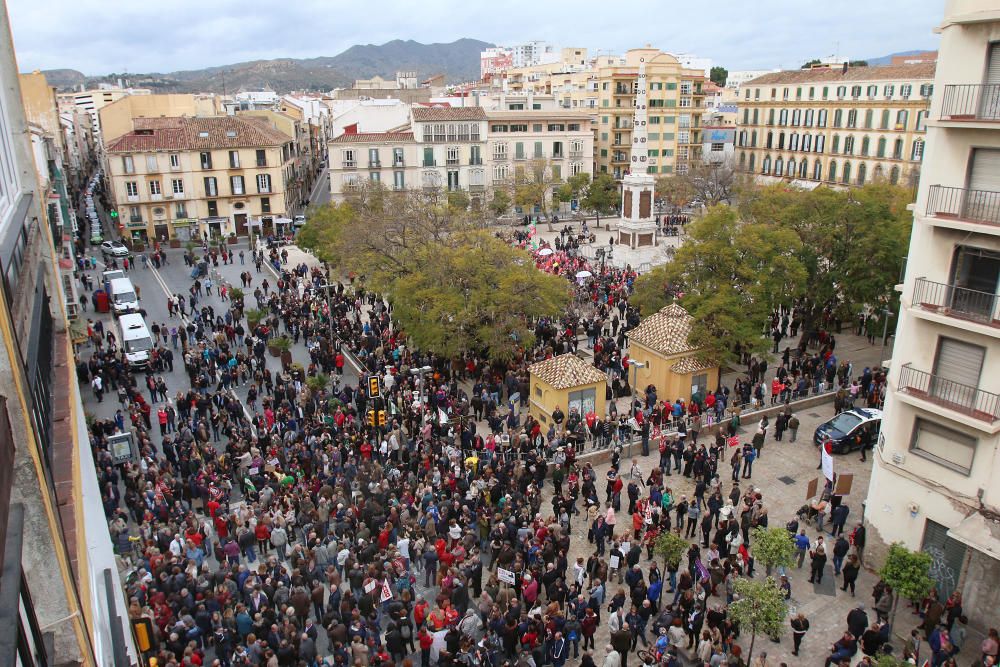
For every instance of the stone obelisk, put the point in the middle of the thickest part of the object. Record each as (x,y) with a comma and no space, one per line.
(637,226)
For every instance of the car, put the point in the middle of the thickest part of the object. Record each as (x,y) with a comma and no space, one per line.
(850,429)
(96,238)
(114,248)
(299,220)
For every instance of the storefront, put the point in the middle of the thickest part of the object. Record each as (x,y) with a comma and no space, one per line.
(185,229)
(215,227)
(137,232)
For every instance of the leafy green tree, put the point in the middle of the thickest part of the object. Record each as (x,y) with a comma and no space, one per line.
(760,609)
(602,195)
(672,547)
(573,186)
(908,573)
(718,75)
(458,200)
(728,276)
(501,202)
(772,547)
(472,292)
(810,63)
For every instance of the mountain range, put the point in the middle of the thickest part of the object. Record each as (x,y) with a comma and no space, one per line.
(458,61)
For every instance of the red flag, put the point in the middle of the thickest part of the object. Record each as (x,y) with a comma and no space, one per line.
(734,441)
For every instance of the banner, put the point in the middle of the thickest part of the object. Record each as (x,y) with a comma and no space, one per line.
(734,441)
(386,591)
(827,460)
(505,576)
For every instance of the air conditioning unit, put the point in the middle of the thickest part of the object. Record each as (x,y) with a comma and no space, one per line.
(898,458)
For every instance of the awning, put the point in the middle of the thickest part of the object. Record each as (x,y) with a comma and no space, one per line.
(282,221)
(979,533)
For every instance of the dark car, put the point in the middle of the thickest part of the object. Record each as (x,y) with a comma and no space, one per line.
(844,429)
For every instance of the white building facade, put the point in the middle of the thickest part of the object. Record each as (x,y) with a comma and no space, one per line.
(933,486)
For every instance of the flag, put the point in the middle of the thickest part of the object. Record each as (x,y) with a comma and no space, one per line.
(386,591)
(734,441)
(826,459)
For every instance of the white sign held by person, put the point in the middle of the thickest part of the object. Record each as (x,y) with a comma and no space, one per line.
(386,591)
(826,458)
(505,576)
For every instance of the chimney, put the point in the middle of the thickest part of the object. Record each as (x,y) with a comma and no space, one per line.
(351,129)
(845,68)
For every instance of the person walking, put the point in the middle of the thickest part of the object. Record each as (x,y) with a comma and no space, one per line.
(850,571)
(818,556)
(800,626)
(793,427)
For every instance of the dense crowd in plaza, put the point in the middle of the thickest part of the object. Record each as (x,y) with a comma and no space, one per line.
(287,530)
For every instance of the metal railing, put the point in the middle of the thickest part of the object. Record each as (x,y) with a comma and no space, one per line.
(958,301)
(971,101)
(963,398)
(975,205)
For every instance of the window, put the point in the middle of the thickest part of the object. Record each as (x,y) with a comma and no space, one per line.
(833,170)
(852,118)
(846,177)
(862,172)
(746,116)
(905,90)
(820,143)
(880,147)
(261,157)
(398,159)
(519,149)
(897,149)
(211,188)
(894,175)
(821,118)
(808,118)
(766,165)
(865,146)
(398,180)
(807,142)
(755,113)
(206,160)
(350,158)
(945,446)
(922,121)
(375,176)
(180,210)
(131,189)
(784,93)
(869,118)
(213,208)
(849,144)
(500,173)
(797,117)
(265,204)
(236,185)
(134,214)
(918,150)
(128,165)
(373,160)
(884,124)
(499,151)
(902,116)
(826,92)
(539,153)
(804,169)
(519,128)
(841,92)
(790,169)
(154,188)
(793,142)
(818,170)
(753,160)
(812,92)
(838,118)
(926,89)
(175,161)
(778,166)
(151,164)
(872,90)
(836,144)
(177,186)
(263,182)
(770,140)
(234,159)
(753,138)
(717,147)
(888,91)
(770,117)
(451,155)
(783,117)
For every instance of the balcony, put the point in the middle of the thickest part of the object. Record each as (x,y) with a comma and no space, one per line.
(451,162)
(958,302)
(475,161)
(971,102)
(374,164)
(349,164)
(520,156)
(132,198)
(135,218)
(965,399)
(964,204)
(573,154)
(261,163)
(398,163)
(430,163)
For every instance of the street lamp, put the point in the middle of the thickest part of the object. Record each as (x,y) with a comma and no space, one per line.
(636,365)
(419,374)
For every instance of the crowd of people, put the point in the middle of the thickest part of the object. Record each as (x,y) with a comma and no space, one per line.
(286,529)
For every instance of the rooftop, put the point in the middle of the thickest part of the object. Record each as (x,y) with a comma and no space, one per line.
(665,332)
(373,138)
(565,371)
(197,133)
(837,74)
(448,113)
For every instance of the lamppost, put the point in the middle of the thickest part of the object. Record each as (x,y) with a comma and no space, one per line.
(419,374)
(636,365)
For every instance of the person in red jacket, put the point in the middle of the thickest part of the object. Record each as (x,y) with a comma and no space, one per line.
(263,534)
(426,641)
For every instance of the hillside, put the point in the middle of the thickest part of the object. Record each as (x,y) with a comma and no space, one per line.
(458,61)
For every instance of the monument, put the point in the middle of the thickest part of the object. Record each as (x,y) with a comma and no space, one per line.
(637,226)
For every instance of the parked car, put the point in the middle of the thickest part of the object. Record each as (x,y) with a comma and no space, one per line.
(299,220)
(844,430)
(114,249)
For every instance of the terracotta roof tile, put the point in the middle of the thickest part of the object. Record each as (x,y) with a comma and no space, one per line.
(448,114)
(836,74)
(197,133)
(692,365)
(566,370)
(665,332)
(373,138)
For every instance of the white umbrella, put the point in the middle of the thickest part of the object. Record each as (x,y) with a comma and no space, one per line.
(545,252)
(583,274)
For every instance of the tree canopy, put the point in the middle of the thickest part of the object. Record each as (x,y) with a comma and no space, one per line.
(602,194)
(760,609)
(728,276)
(773,547)
(718,75)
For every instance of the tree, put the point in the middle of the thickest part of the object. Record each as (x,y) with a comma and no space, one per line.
(908,573)
(472,291)
(718,75)
(711,182)
(853,242)
(672,547)
(532,186)
(501,202)
(572,188)
(814,61)
(602,195)
(728,276)
(760,609)
(773,547)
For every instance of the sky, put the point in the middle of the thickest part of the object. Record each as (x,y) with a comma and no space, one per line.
(103,36)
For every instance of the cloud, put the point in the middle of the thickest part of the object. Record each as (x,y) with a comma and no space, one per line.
(102,36)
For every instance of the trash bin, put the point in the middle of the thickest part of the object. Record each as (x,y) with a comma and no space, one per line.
(103,303)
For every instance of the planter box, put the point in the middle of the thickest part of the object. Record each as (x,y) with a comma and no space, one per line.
(233,240)
(175,243)
(275,352)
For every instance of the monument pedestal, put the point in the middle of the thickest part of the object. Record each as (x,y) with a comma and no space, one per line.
(637,227)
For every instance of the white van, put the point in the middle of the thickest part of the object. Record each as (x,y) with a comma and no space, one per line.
(123,298)
(136,341)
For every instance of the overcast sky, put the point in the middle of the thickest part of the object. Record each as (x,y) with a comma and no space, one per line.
(101,36)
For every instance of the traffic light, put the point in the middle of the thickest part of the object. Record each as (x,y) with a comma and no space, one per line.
(381,417)
(113,213)
(371,418)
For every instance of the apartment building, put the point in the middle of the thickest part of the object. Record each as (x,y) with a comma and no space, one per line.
(187,178)
(934,483)
(676,103)
(440,148)
(840,126)
(62,598)
(562,140)
(92,101)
